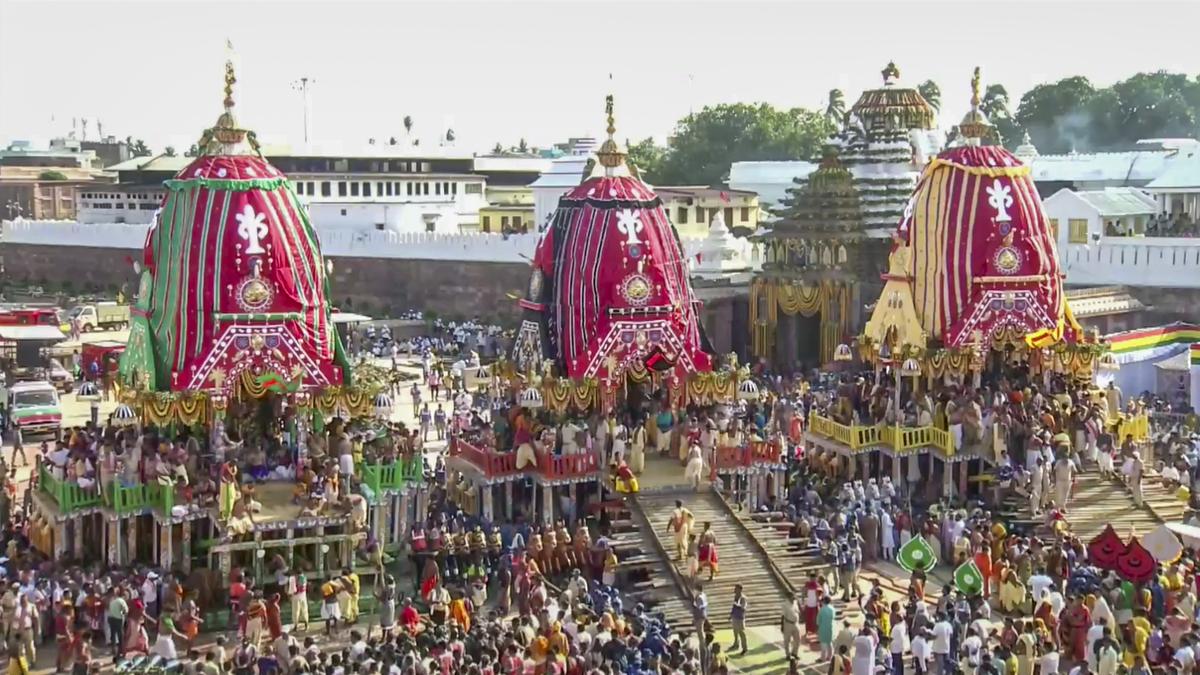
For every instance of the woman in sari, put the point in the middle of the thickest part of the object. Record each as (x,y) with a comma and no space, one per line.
(1025,650)
(1012,592)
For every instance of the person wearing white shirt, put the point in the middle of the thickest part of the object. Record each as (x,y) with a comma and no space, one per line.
(1049,660)
(922,652)
(1039,585)
(1094,633)
(971,653)
(899,646)
(942,631)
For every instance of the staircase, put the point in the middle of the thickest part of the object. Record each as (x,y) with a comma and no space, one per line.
(741,560)
(642,569)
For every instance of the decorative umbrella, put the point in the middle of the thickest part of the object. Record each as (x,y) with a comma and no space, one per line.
(1104,550)
(383,405)
(88,391)
(1136,565)
(531,398)
(124,416)
(968,578)
(747,390)
(1163,545)
(916,555)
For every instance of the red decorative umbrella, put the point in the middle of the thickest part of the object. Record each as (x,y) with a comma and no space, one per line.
(1136,565)
(1106,549)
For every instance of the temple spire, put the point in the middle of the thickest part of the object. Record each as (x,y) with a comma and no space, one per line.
(610,154)
(227,137)
(975,127)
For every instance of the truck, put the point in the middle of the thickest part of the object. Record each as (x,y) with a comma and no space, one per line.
(34,408)
(101,315)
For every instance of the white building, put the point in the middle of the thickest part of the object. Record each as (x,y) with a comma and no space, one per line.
(1087,215)
(769,179)
(559,178)
(1177,189)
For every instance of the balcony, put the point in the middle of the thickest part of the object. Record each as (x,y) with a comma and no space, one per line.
(900,440)
(69,496)
(394,477)
(732,458)
(503,465)
(130,499)
(907,440)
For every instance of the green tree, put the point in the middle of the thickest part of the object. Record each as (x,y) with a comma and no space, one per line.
(169,151)
(139,148)
(705,143)
(835,108)
(1158,105)
(932,93)
(522,146)
(647,156)
(52,175)
(192,151)
(1055,114)
(498,149)
(408,124)
(994,105)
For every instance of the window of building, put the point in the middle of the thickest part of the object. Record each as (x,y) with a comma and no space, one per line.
(353,188)
(1077,230)
(379,226)
(148,207)
(120,205)
(700,215)
(745,214)
(388,189)
(310,188)
(425,190)
(343,212)
(325,188)
(341,165)
(437,188)
(503,221)
(682,218)
(445,188)
(1054,228)
(425,167)
(341,188)
(454,189)
(366,189)
(379,188)
(430,225)
(487,223)
(729,215)
(409,187)
(473,188)
(516,222)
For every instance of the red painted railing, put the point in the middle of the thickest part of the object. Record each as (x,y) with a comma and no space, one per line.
(732,457)
(499,464)
(558,467)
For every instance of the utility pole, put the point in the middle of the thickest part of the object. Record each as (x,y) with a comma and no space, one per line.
(301,85)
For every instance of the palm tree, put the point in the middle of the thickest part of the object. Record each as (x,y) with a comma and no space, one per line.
(169,151)
(522,146)
(408,124)
(835,109)
(931,93)
(499,149)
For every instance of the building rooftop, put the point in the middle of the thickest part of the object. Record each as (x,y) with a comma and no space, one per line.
(1135,166)
(1102,301)
(564,172)
(1119,201)
(1183,173)
(489,163)
(700,192)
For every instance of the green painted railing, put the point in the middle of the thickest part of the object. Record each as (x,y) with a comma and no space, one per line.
(394,476)
(134,498)
(69,496)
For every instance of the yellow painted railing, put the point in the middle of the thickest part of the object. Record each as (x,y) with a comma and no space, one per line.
(899,439)
(1137,426)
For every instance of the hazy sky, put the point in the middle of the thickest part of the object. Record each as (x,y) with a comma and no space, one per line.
(502,70)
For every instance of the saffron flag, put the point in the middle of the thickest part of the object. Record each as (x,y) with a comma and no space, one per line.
(968,578)
(916,555)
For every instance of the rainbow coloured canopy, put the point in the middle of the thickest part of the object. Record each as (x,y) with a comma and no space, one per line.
(233,287)
(609,291)
(982,257)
